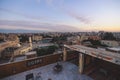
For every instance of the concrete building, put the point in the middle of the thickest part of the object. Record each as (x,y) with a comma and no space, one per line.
(37,37)
(23,49)
(94,37)
(31,54)
(6,44)
(42,68)
(8,52)
(73,39)
(114,49)
(101,61)
(110,43)
(83,37)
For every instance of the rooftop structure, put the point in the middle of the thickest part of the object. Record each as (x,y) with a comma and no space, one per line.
(99,61)
(114,49)
(104,55)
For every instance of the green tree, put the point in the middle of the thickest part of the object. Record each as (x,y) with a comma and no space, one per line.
(46,50)
(109,36)
(23,38)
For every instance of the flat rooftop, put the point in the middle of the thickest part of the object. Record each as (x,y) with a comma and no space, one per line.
(101,54)
(30,53)
(69,72)
(115,48)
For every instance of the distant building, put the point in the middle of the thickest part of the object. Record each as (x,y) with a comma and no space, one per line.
(47,40)
(114,49)
(31,54)
(87,43)
(7,52)
(94,37)
(7,44)
(83,37)
(37,37)
(22,50)
(2,37)
(110,43)
(73,39)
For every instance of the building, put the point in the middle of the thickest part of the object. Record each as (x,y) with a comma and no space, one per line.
(73,40)
(8,52)
(114,49)
(6,44)
(96,61)
(31,54)
(110,43)
(93,63)
(94,37)
(83,37)
(23,49)
(37,37)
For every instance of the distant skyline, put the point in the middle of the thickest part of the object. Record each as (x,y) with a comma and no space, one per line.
(59,15)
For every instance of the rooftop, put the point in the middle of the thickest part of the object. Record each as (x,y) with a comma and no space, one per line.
(101,54)
(115,48)
(30,53)
(69,72)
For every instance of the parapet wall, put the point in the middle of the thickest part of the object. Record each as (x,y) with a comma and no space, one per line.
(21,66)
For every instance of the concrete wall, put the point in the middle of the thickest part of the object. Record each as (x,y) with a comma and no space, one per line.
(18,67)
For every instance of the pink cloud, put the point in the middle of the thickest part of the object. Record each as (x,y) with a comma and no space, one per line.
(27,25)
(80,18)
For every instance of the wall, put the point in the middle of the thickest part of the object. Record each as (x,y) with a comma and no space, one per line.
(18,67)
(73,57)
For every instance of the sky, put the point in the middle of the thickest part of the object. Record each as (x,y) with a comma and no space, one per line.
(59,15)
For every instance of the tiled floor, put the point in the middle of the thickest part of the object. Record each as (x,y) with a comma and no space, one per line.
(69,72)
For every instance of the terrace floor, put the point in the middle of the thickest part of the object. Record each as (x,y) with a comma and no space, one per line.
(69,72)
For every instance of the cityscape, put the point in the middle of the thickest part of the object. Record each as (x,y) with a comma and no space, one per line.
(59,40)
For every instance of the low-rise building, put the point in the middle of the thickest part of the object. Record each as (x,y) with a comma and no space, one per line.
(7,44)
(31,54)
(114,49)
(22,50)
(37,37)
(110,43)
(7,52)
(94,37)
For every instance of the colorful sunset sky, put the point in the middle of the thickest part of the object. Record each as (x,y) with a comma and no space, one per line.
(60,15)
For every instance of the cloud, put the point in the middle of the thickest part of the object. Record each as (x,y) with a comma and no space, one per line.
(62,7)
(27,25)
(24,15)
(79,17)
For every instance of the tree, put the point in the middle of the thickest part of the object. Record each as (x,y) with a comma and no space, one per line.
(23,38)
(46,50)
(108,36)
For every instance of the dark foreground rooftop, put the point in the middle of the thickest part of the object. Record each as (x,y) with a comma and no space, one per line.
(69,72)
